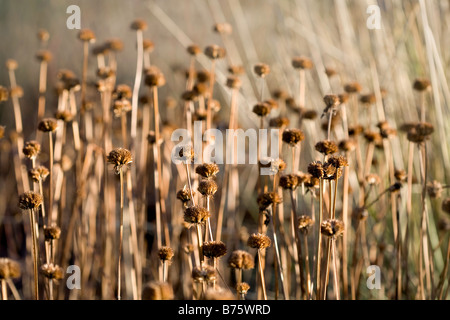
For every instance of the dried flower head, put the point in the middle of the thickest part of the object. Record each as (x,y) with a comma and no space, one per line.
(30,200)
(48,125)
(259,241)
(64,115)
(337,161)
(372,136)
(289,181)
(165,253)
(240,259)
(214,52)
(204,274)
(207,187)
(31,149)
(332,228)
(292,136)
(233,82)
(302,63)
(138,24)
(331,101)
(52,232)
(184,195)
(373,179)
(44,56)
(114,44)
(224,28)
(43,35)
(309,114)
(38,174)
(261,69)
(119,157)
(347,145)
(214,249)
(434,189)
(86,35)
(304,223)
(424,129)
(236,70)
(155,78)
(421,84)
(261,109)
(207,170)
(279,122)
(352,87)
(330,72)
(52,271)
(121,107)
(355,130)
(400,175)
(193,49)
(9,269)
(203,76)
(446,205)
(316,169)
(185,153)
(148,45)
(16,92)
(156,290)
(242,288)
(368,99)
(11,64)
(267,199)
(326,147)
(196,215)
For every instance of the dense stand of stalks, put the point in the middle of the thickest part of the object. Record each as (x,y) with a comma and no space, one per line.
(360,177)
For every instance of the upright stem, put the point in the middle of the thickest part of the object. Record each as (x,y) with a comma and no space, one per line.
(336,280)
(120,236)
(50,215)
(137,83)
(319,246)
(35,254)
(4,290)
(261,272)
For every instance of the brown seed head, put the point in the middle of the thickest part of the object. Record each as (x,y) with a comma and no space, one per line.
(9,269)
(86,35)
(352,87)
(196,215)
(48,125)
(138,24)
(203,76)
(119,157)
(259,241)
(331,101)
(242,288)
(193,49)
(52,233)
(261,109)
(64,115)
(52,271)
(16,92)
(223,28)
(446,205)
(289,182)
(261,69)
(156,290)
(347,145)
(372,136)
(114,44)
(43,35)
(185,153)
(330,72)
(292,136)
(240,259)
(355,130)
(204,274)
(368,99)
(302,63)
(30,200)
(400,175)
(207,170)
(233,82)
(155,78)
(39,173)
(279,122)
(214,249)
(44,56)
(332,228)
(236,70)
(373,179)
(148,45)
(304,223)
(11,64)
(434,189)
(309,114)
(316,169)
(326,147)
(165,253)
(184,195)
(343,97)
(122,91)
(214,52)
(421,84)
(31,149)
(267,199)
(207,187)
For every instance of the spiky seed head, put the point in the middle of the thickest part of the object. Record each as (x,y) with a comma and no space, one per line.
(203,274)
(121,107)
(122,91)
(233,82)
(395,187)
(261,109)
(39,173)
(315,168)
(424,129)
(52,232)
(347,145)
(196,215)
(259,241)
(207,187)
(184,195)
(242,288)
(267,199)
(302,63)
(165,253)
(119,157)
(155,290)
(368,99)
(326,147)
(355,130)
(30,200)
(330,172)
(292,136)
(86,35)
(279,122)
(309,114)
(338,161)
(289,182)
(48,125)
(155,78)
(240,259)
(343,97)
(214,249)
(352,87)
(421,84)
(207,170)
(44,56)
(9,269)
(193,49)
(332,228)
(331,101)
(214,52)
(312,183)
(434,189)
(138,24)
(185,153)
(52,271)
(304,223)
(31,149)
(261,69)
(446,205)
(203,76)
(236,70)
(400,175)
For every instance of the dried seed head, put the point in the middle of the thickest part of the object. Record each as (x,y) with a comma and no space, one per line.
(48,125)
(165,253)
(279,122)
(207,187)
(119,157)
(309,114)
(352,87)
(368,99)
(207,170)
(304,223)
(385,130)
(138,24)
(203,274)
(86,35)
(330,172)
(200,88)
(38,174)
(302,63)
(43,35)
(347,145)
(203,76)
(148,45)
(9,269)
(332,228)
(421,84)
(31,149)
(434,189)
(193,49)
(242,288)
(214,52)
(44,56)
(280,94)
(114,44)
(338,161)
(122,91)
(326,147)
(292,136)
(64,115)
(196,215)
(331,101)
(373,179)
(330,72)
(372,136)
(184,195)
(236,70)
(343,97)
(400,175)
(312,183)
(289,182)
(121,107)
(214,249)
(424,129)
(261,109)
(259,241)
(261,69)
(233,82)
(223,28)
(395,187)
(30,200)
(52,271)
(16,92)
(316,169)
(11,64)
(52,233)
(446,205)
(185,153)
(156,290)
(267,199)
(355,130)
(155,78)
(360,214)
(240,259)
